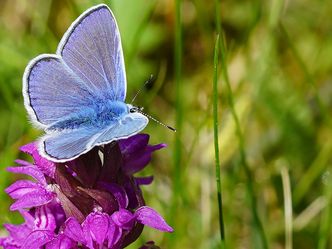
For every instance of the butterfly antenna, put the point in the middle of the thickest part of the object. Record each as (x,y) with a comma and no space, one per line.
(151,79)
(155,120)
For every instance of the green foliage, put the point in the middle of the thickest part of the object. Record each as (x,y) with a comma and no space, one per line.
(279,64)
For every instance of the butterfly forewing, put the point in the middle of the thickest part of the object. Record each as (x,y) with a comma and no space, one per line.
(92,49)
(52,90)
(88,66)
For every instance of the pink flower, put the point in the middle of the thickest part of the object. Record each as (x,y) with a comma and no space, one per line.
(90,202)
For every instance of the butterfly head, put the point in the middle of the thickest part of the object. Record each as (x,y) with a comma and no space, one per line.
(137,109)
(133,109)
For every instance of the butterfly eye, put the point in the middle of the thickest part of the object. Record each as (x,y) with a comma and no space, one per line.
(132,110)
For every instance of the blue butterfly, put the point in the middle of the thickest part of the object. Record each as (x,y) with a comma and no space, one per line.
(77,95)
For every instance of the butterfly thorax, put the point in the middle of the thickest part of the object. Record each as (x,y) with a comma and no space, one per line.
(99,114)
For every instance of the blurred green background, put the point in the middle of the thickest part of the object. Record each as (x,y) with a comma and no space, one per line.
(276,170)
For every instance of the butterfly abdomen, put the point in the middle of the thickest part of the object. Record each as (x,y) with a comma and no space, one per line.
(99,115)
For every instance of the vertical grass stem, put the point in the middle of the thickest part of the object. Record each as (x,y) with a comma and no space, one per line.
(216,144)
(288,210)
(177,186)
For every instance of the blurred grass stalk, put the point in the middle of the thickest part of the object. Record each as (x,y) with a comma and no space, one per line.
(215,122)
(177,186)
(178,95)
(288,209)
(216,144)
(258,227)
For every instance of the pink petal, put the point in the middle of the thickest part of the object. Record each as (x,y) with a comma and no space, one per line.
(150,217)
(144,180)
(44,165)
(20,188)
(114,233)
(134,143)
(74,230)
(22,162)
(31,171)
(44,219)
(96,225)
(123,218)
(117,191)
(33,199)
(18,232)
(29,148)
(61,242)
(37,238)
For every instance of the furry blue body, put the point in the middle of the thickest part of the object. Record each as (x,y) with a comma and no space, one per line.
(98,115)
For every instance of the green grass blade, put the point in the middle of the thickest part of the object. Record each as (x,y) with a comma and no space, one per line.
(179,94)
(177,186)
(216,143)
(288,210)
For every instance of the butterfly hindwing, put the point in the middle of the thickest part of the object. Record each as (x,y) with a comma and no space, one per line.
(67,145)
(128,125)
